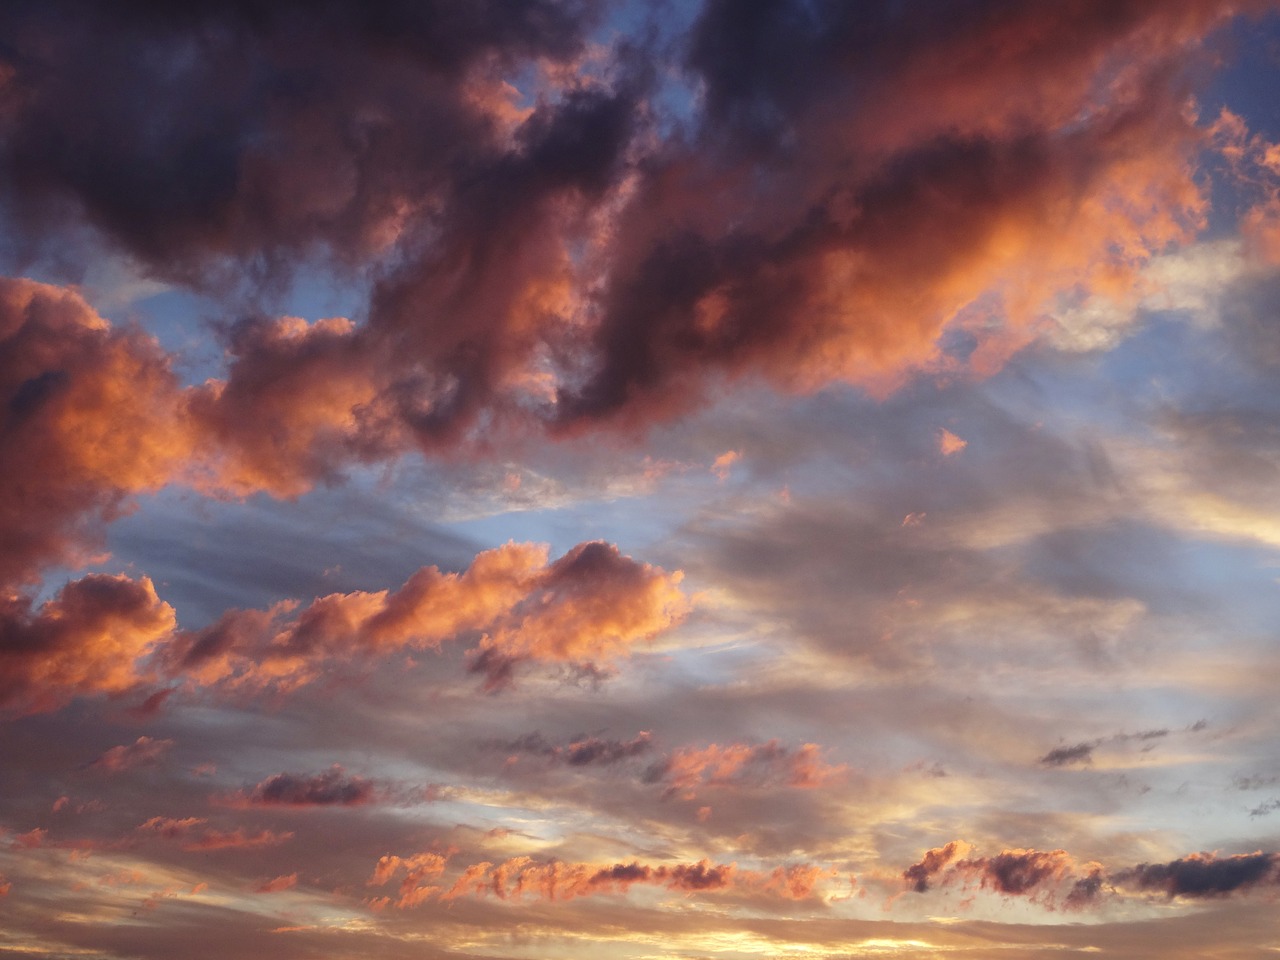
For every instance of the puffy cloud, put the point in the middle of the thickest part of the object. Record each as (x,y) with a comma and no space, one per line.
(91,414)
(279,133)
(331,788)
(91,637)
(592,604)
(142,752)
(919,874)
(1018,872)
(1047,877)
(632,271)
(895,215)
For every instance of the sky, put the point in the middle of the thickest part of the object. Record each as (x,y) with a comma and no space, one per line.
(524,479)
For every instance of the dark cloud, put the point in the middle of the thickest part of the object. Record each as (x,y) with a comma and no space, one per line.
(234,131)
(1063,756)
(1018,872)
(582,750)
(545,254)
(1083,752)
(918,875)
(1201,876)
(331,788)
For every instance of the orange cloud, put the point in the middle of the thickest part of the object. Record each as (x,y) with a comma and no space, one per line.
(142,752)
(92,414)
(687,770)
(91,637)
(592,604)
(194,833)
(277,884)
(558,880)
(949,443)
(724,463)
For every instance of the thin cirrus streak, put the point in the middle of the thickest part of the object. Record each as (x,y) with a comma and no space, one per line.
(590,478)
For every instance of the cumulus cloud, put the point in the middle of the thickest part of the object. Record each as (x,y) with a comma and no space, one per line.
(593,604)
(90,638)
(91,414)
(632,272)
(919,874)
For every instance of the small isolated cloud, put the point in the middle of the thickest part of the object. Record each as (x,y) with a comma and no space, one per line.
(1064,756)
(949,443)
(582,751)
(724,464)
(1083,752)
(331,788)
(277,884)
(142,752)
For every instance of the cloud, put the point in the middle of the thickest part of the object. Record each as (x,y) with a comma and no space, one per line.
(144,751)
(90,638)
(194,833)
(633,272)
(1083,752)
(1063,756)
(582,751)
(92,414)
(688,770)
(896,216)
(1047,877)
(592,604)
(1205,875)
(559,880)
(331,788)
(919,874)
(1052,876)
(277,884)
(949,443)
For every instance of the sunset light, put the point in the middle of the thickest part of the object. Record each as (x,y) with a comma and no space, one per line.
(639,479)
